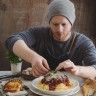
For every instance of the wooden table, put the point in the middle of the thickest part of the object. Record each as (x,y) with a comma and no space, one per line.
(30,93)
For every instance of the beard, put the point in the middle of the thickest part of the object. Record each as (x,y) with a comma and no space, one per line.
(61,37)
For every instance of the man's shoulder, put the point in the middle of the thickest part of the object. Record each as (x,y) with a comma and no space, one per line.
(39,29)
(82,36)
(83,39)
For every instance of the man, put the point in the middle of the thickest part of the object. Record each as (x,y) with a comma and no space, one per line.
(56,47)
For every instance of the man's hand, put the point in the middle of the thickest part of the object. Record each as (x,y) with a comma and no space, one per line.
(69,66)
(39,65)
(82,71)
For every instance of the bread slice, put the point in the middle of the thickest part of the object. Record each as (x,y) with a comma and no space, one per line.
(89,87)
(13,85)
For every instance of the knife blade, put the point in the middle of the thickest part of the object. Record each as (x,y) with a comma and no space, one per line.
(10,76)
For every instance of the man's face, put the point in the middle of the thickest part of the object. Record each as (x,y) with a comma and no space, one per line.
(61,28)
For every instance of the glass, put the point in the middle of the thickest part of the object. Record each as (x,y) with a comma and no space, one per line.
(16,68)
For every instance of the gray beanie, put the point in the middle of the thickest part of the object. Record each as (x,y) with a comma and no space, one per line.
(61,7)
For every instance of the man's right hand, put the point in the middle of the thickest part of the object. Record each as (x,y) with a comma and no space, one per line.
(39,65)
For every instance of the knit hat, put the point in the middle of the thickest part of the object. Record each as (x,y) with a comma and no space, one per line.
(61,8)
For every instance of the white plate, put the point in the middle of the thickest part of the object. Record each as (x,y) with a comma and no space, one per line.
(45,94)
(75,88)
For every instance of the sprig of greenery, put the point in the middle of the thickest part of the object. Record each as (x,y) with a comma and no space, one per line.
(13,58)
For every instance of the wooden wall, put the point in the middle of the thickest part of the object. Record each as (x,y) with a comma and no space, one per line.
(86,17)
(18,15)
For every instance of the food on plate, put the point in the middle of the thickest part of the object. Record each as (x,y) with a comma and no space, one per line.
(28,71)
(27,74)
(54,81)
(13,85)
(89,87)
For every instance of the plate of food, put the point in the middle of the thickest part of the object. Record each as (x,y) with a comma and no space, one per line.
(55,83)
(13,87)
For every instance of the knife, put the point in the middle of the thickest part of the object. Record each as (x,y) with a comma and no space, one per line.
(10,76)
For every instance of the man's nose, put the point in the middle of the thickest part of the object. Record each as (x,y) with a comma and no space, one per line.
(60,29)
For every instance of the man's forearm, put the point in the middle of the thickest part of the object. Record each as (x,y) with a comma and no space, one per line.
(23,51)
(87,72)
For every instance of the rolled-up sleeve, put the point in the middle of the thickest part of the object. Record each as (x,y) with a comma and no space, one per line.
(27,36)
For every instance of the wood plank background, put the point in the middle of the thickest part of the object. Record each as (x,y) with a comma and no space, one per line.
(18,15)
